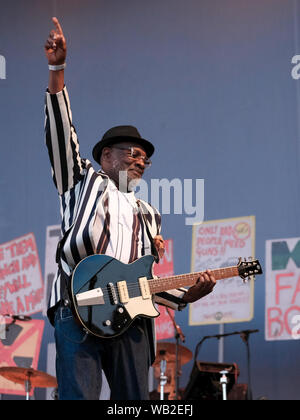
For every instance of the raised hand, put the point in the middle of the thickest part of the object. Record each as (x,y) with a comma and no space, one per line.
(55,46)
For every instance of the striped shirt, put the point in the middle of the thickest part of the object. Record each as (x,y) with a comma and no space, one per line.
(96,216)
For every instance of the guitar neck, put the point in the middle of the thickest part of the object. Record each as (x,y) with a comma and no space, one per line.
(185,280)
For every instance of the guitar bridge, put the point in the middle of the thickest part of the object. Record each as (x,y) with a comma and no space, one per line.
(91,297)
(113,294)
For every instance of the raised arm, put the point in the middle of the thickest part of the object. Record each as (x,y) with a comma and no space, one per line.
(61,137)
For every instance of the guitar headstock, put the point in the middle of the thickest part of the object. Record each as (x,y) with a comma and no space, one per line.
(249,268)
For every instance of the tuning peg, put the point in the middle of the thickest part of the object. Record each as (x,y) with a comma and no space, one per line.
(251,276)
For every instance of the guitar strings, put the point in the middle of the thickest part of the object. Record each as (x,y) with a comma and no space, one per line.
(135,288)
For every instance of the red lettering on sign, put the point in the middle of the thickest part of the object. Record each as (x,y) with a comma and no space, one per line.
(20,248)
(280,287)
(276,318)
(297,290)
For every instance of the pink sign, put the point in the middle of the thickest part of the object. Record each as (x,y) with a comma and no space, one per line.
(21,282)
(165,268)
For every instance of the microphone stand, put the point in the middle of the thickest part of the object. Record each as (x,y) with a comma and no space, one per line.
(163,378)
(245,337)
(178,336)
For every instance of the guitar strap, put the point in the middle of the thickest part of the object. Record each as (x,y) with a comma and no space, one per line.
(154,251)
(64,280)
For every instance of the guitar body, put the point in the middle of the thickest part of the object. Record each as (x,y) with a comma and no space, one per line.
(107,294)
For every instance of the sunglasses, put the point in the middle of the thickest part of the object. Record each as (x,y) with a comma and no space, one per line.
(135,154)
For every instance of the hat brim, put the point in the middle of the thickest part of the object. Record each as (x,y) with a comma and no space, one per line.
(145,144)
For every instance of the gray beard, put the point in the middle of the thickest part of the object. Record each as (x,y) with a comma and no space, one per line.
(126,184)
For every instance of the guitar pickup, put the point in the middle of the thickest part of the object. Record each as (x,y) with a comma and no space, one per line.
(123,291)
(91,297)
(145,289)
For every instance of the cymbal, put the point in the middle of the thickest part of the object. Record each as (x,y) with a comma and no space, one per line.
(167,351)
(37,378)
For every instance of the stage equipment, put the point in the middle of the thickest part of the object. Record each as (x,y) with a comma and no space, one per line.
(224,382)
(29,377)
(15,318)
(205,382)
(167,352)
(179,336)
(163,378)
(245,337)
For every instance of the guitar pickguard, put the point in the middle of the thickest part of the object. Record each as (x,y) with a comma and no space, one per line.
(139,306)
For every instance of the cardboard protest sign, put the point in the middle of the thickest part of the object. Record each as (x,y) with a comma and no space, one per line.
(218,244)
(21,284)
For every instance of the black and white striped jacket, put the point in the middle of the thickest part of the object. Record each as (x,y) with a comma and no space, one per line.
(96,216)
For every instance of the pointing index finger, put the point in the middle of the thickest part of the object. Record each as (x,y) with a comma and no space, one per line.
(57,25)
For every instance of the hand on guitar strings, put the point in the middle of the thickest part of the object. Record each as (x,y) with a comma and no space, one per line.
(205,285)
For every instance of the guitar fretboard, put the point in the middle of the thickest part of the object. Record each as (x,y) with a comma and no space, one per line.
(186,280)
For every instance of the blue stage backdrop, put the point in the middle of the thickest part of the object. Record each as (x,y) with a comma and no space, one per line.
(210,83)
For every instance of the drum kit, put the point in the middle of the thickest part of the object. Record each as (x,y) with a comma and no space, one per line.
(166,355)
(167,369)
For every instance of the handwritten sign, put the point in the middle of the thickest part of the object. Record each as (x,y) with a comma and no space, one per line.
(21,284)
(163,324)
(282,314)
(218,244)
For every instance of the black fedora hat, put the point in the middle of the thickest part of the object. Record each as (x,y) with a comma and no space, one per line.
(121,133)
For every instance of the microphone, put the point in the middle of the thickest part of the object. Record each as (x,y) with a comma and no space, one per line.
(23,318)
(245,334)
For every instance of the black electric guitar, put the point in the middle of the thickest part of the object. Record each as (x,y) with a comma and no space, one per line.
(108,295)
